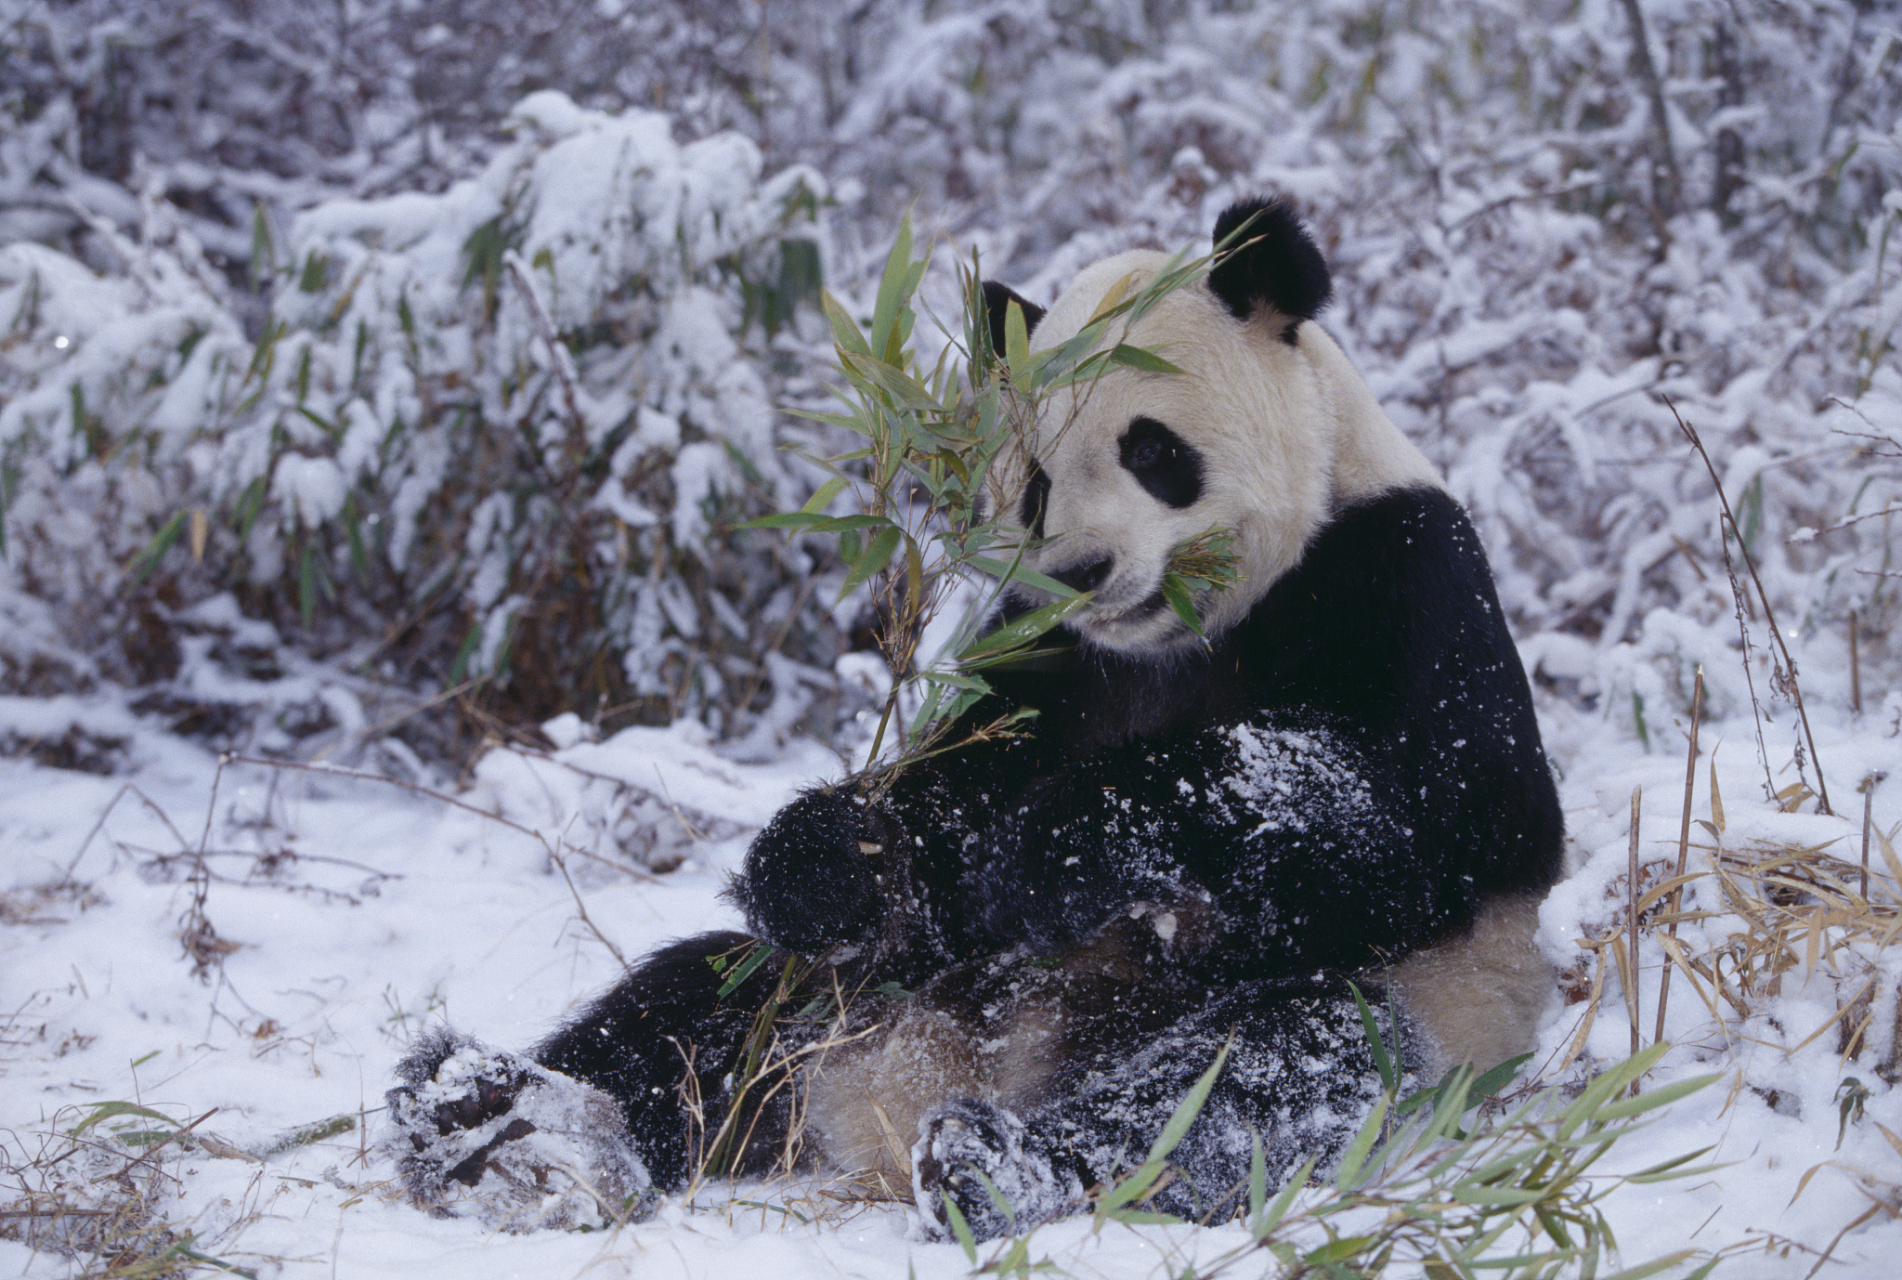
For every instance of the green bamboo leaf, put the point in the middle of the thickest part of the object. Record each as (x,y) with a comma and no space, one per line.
(959,1227)
(1278,1208)
(758,956)
(1665,1263)
(1257,1178)
(1673,1168)
(1017,571)
(876,556)
(1016,341)
(1375,1041)
(1662,1096)
(147,559)
(905,391)
(1022,630)
(823,496)
(1139,1183)
(1140,358)
(1477,1194)
(845,330)
(1176,592)
(112,1110)
(1347,1176)
(1340,1250)
(783,520)
(891,291)
(1495,1079)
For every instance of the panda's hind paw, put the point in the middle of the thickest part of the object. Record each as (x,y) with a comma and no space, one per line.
(971,1154)
(478,1132)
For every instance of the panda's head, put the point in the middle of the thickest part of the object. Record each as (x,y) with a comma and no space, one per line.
(1263,435)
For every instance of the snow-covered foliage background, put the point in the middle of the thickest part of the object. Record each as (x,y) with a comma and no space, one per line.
(381,381)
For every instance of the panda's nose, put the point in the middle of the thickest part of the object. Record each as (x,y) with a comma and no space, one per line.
(1086,576)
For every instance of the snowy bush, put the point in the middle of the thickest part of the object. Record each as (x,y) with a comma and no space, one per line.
(497,433)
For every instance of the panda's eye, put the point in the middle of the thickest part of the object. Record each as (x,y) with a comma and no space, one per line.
(1162,462)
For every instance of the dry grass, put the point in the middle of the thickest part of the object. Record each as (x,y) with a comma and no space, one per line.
(93,1186)
(1746,917)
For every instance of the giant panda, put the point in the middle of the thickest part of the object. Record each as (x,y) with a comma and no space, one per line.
(997,972)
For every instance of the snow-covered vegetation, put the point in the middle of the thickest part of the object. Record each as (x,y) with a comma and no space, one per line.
(382,383)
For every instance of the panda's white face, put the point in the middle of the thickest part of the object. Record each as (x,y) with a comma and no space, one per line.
(1260,437)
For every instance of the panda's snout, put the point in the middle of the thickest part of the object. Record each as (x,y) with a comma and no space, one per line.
(1086,575)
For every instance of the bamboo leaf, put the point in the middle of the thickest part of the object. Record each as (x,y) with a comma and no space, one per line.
(877,554)
(891,292)
(1278,1208)
(1139,1183)
(1176,592)
(1655,1098)
(845,330)
(822,497)
(1016,341)
(1347,1176)
(954,1216)
(112,1110)
(744,969)
(1140,358)
(1022,630)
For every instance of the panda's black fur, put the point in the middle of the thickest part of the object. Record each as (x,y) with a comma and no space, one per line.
(1051,935)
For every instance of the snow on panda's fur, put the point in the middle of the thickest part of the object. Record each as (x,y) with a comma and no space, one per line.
(1044,940)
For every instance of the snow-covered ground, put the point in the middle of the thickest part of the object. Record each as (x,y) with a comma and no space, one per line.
(331,918)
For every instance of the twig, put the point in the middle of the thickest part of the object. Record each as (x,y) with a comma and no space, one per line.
(1810,535)
(1684,846)
(357,775)
(1868,789)
(1631,892)
(100,825)
(1788,668)
(561,865)
(1855,668)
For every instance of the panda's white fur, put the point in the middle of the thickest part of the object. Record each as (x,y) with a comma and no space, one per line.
(1293,430)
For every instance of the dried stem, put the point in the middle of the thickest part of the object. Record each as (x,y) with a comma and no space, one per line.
(1855,668)
(1631,889)
(1868,789)
(1683,846)
(1788,668)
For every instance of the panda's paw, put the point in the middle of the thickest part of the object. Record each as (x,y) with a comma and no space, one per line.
(971,1155)
(480,1133)
(811,878)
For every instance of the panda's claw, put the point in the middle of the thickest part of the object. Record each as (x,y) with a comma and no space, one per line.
(477,1132)
(973,1154)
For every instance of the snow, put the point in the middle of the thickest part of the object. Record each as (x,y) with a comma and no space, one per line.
(360,913)
(1479,179)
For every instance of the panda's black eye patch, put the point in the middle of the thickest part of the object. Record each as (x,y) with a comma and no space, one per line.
(1163,462)
(1036,498)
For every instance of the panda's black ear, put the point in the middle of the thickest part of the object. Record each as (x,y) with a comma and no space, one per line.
(1271,261)
(997,300)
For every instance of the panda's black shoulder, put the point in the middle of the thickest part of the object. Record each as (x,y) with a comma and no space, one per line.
(1387,594)
(1391,603)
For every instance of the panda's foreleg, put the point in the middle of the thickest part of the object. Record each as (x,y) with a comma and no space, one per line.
(680,1053)
(1300,1078)
(1297,838)
(871,865)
